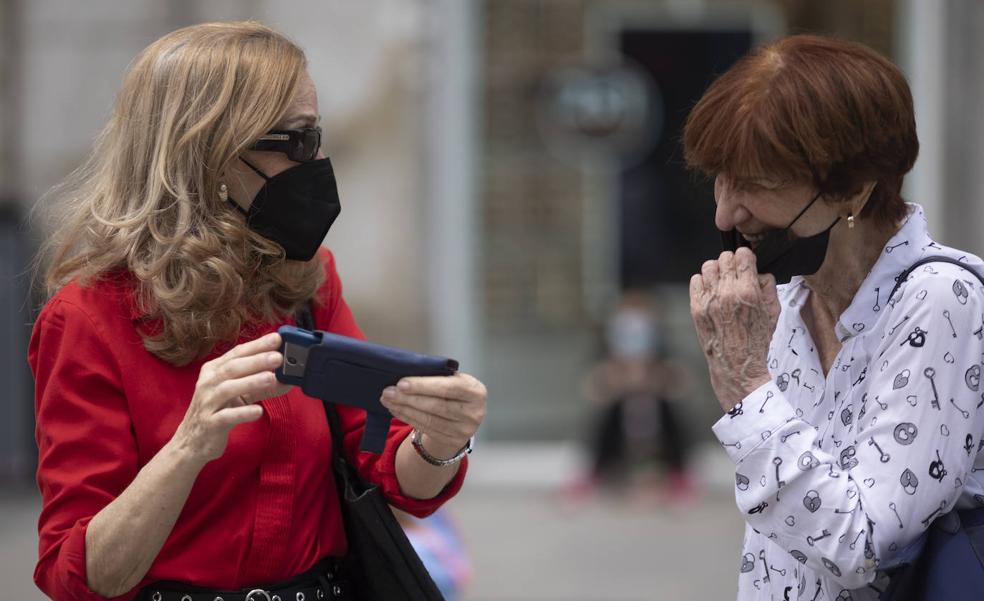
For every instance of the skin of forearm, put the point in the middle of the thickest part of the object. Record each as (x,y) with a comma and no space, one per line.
(419,479)
(124,538)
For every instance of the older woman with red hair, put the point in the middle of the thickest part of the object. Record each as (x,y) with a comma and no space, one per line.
(850,382)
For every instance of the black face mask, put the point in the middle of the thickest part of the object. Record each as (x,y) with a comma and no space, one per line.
(782,255)
(295,208)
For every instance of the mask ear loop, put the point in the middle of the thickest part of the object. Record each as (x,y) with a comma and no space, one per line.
(805,209)
(233,202)
(817,182)
(251,166)
(810,204)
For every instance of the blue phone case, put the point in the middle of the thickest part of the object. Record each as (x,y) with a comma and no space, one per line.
(353,372)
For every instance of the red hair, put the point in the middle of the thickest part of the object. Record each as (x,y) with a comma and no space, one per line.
(811,109)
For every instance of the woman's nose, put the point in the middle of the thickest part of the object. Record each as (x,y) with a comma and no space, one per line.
(729,212)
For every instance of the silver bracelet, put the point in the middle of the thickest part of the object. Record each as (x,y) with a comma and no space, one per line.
(418,445)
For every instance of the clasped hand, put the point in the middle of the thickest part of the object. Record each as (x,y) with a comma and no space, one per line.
(735,310)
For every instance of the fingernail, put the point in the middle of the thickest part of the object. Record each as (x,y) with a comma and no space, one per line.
(404,385)
(389,393)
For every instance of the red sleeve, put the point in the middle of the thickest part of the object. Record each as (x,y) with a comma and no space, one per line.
(86,448)
(380,469)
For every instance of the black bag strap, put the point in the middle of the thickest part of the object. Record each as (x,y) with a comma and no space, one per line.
(902,277)
(382,560)
(304,317)
(349,478)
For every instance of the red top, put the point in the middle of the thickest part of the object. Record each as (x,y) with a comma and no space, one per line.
(263,512)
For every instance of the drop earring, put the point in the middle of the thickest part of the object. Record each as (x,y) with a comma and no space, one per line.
(850,222)
(224,193)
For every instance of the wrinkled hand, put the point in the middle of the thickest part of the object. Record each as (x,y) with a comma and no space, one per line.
(226,394)
(735,311)
(447,410)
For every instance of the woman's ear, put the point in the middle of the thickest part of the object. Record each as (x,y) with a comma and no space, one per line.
(862,197)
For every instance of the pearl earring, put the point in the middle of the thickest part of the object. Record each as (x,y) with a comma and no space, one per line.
(224,193)
(850,222)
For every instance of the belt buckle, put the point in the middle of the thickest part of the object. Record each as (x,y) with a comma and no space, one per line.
(257,592)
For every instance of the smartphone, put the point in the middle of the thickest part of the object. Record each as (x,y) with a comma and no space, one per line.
(353,372)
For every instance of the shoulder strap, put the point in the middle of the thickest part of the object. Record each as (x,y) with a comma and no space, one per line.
(902,277)
(349,478)
(304,317)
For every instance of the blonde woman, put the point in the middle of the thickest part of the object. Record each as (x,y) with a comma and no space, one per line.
(171,462)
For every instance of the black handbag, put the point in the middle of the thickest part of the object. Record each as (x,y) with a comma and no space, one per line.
(381,562)
(946,563)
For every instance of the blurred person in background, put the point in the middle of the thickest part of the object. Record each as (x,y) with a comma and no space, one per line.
(437,540)
(170,460)
(636,436)
(852,412)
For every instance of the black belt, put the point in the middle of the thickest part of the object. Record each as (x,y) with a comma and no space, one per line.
(324,582)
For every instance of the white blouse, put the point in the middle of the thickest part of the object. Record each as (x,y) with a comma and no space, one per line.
(834,474)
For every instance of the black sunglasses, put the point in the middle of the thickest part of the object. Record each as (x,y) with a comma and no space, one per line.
(300,145)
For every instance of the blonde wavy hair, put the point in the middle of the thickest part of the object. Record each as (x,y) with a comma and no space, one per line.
(147,199)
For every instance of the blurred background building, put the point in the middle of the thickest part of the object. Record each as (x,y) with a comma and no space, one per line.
(507,168)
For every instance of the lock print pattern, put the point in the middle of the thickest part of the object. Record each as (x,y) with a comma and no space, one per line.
(838,472)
